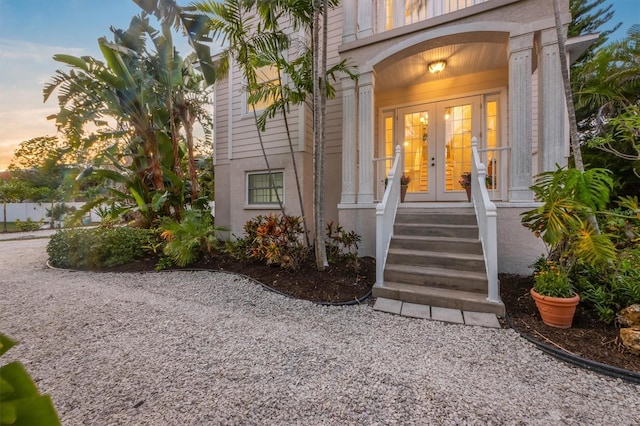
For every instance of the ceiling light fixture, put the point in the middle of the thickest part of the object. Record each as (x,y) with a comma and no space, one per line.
(437,67)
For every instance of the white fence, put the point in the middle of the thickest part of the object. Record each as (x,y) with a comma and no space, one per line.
(35,211)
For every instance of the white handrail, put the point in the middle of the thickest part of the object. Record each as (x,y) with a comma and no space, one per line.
(486,214)
(386,215)
(380,173)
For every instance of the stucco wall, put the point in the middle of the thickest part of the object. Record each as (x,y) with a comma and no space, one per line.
(363,221)
(518,248)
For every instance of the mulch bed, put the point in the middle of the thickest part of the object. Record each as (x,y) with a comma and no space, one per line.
(338,283)
(588,338)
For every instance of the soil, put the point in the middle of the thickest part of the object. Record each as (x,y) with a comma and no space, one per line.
(338,283)
(588,337)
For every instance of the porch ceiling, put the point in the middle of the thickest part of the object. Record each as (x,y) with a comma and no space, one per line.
(463,58)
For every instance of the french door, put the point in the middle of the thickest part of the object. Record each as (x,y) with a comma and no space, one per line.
(436,140)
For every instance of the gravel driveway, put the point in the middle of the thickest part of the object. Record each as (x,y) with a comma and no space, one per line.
(206,348)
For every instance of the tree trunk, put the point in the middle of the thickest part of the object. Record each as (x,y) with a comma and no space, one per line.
(319,99)
(295,166)
(566,81)
(188,123)
(176,153)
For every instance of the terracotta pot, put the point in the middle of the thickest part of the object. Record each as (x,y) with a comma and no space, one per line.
(403,192)
(556,311)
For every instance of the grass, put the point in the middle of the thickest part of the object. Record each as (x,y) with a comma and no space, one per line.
(11,227)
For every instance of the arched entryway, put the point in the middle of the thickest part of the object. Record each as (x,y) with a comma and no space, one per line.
(433,114)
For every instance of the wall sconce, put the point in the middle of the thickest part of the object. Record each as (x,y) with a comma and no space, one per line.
(447,113)
(437,67)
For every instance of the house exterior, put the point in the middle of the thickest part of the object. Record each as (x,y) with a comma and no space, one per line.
(433,74)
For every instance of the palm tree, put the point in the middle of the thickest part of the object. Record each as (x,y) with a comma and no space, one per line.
(573,126)
(138,99)
(609,81)
(608,94)
(252,46)
(97,93)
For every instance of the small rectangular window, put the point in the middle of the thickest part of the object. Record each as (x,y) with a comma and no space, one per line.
(266,76)
(262,191)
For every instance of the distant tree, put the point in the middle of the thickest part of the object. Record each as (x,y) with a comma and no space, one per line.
(40,164)
(588,18)
(35,153)
(12,190)
(609,96)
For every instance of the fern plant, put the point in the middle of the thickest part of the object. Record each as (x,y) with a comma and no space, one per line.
(188,239)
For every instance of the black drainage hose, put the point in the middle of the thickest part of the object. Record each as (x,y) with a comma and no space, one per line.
(598,367)
(266,287)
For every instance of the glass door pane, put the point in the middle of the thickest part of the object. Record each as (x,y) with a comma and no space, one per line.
(457,127)
(416,149)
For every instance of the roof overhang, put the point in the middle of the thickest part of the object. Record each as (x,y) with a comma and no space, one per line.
(576,46)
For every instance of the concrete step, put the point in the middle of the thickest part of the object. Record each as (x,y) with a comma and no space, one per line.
(432,296)
(436,230)
(442,244)
(436,259)
(460,216)
(437,277)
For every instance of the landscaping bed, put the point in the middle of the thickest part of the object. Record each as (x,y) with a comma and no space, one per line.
(588,338)
(339,283)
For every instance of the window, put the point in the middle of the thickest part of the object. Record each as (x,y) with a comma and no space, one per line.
(266,75)
(260,190)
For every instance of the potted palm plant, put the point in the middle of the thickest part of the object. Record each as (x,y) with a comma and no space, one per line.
(465,182)
(404,185)
(554,295)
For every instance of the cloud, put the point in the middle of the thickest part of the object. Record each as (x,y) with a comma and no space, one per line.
(33,52)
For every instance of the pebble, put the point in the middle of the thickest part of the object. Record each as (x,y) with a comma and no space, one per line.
(209,348)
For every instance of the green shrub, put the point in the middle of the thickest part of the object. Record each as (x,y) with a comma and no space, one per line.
(342,246)
(28,226)
(97,248)
(187,240)
(59,210)
(277,240)
(20,401)
(607,290)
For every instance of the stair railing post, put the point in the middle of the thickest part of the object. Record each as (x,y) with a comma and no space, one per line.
(486,214)
(386,215)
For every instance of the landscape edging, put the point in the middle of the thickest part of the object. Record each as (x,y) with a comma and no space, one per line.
(598,367)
